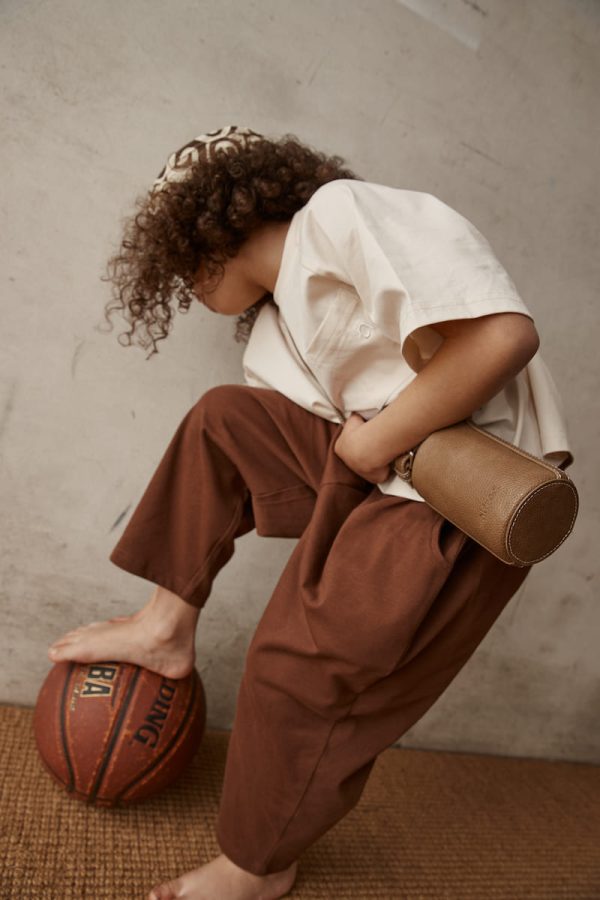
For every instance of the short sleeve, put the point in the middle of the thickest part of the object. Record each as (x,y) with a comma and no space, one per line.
(412,259)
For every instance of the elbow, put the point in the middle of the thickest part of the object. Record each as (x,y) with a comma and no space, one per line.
(535,340)
(521,342)
(528,342)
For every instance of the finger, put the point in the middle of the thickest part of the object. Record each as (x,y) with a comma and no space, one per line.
(354,421)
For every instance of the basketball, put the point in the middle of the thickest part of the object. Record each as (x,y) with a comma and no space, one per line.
(115,733)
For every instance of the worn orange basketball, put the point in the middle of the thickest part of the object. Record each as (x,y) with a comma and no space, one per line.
(116,733)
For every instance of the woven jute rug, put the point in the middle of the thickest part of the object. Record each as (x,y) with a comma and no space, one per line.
(429,826)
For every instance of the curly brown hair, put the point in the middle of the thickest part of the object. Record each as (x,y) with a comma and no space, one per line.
(205,218)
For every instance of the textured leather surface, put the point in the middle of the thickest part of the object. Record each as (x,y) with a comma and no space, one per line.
(517,506)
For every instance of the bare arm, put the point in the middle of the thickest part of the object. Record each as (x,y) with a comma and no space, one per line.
(476,359)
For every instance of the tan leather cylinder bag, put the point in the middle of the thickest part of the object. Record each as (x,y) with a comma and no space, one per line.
(519,507)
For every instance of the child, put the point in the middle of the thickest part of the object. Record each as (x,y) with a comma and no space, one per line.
(375,316)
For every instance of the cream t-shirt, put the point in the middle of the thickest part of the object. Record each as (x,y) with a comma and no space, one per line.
(366,271)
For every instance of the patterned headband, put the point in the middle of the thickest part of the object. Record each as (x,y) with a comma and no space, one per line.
(204,146)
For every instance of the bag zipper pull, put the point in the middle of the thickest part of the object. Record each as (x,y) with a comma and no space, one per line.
(403,465)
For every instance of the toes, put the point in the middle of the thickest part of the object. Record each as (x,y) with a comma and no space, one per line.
(63,639)
(61,648)
(58,645)
(81,628)
(67,638)
(162,892)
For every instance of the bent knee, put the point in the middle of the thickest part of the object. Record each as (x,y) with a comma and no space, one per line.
(219,400)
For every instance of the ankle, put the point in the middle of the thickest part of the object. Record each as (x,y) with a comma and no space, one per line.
(272,876)
(170,616)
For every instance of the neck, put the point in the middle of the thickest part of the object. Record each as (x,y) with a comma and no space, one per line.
(261,254)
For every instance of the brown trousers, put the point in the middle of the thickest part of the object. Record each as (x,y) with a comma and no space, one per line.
(379,606)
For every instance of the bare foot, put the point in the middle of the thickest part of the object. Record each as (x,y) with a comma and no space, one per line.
(160,637)
(221,878)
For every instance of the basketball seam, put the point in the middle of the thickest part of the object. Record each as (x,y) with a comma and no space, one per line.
(185,720)
(63,729)
(113,738)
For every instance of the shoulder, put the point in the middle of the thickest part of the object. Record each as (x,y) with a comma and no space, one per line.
(365,219)
(330,198)
(357,189)
(337,199)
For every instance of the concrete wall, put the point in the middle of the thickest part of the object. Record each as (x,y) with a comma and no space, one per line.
(492,106)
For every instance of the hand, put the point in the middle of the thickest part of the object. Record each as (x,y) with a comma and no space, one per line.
(349,446)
